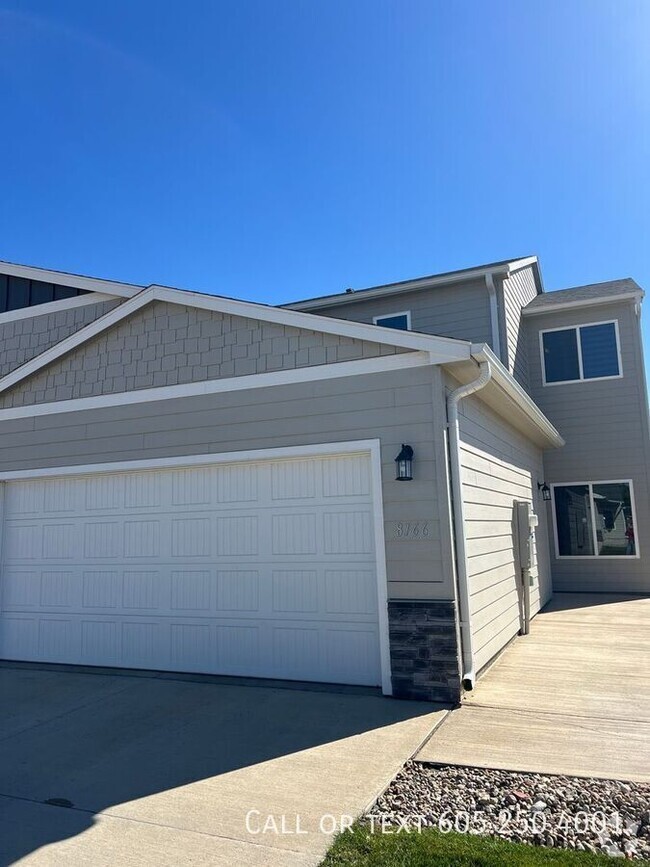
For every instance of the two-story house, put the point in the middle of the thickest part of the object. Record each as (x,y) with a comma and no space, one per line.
(378,487)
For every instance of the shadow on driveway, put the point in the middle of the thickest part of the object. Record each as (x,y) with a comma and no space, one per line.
(99,741)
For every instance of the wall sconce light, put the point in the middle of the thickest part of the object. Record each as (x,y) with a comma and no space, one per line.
(546,491)
(404,461)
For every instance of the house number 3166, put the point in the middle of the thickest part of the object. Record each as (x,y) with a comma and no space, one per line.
(412,530)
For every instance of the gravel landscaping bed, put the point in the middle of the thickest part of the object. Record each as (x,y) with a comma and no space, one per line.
(599,816)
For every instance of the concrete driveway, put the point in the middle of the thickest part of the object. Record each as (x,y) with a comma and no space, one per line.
(159,771)
(573,697)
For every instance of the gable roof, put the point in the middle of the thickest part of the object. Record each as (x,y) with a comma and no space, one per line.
(439,349)
(505,268)
(74,281)
(582,296)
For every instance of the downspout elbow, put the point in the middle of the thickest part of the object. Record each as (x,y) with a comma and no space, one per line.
(468,676)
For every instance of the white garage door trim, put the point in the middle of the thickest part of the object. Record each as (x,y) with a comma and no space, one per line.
(369,447)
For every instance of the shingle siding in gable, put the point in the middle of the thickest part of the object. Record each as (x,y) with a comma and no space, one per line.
(168,344)
(23,339)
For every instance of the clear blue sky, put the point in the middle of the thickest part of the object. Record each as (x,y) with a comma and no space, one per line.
(275,150)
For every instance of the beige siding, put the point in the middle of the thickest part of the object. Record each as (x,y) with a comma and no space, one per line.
(518,290)
(461,311)
(23,339)
(395,407)
(605,425)
(499,466)
(167,344)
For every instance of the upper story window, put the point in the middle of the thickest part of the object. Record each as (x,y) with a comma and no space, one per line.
(401,321)
(580,353)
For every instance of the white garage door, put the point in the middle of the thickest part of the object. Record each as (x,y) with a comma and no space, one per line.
(264,569)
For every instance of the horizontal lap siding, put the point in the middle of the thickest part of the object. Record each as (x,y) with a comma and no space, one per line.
(518,291)
(499,466)
(395,407)
(461,311)
(605,427)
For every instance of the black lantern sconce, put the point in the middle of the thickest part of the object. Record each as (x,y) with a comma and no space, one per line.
(404,461)
(546,491)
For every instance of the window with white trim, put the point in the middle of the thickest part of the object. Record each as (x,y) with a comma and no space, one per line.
(401,321)
(580,353)
(595,519)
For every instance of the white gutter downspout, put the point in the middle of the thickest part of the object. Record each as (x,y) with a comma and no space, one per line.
(494,314)
(458,517)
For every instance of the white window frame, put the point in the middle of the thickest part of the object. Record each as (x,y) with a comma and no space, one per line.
(376,320)
(590,486)
(582,377)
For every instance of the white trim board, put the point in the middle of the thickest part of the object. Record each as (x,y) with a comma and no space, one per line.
(516,393)
(69,343)
(370,447)
(450,277)
(440,349)
(280,452)
(588,302)
(315,373)
(594,529)
(74,281)
(54,307)
(444,348)
(406,313)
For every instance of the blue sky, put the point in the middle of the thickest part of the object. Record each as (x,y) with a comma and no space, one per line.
(276,150)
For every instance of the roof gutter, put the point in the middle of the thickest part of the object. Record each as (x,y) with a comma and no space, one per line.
(468,677)
(508,384)
(396,288)
(583,302)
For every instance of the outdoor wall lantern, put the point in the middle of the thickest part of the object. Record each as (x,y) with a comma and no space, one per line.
(404,461)
(546,491)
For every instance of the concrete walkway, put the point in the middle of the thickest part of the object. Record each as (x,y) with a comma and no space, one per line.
(158,771)
(573,697)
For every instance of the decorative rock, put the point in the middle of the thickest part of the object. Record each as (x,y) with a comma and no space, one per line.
(597,816)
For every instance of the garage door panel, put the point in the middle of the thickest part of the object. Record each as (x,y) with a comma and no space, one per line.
(350,591)
(20,590)
(263,569)
(101,589)
(19,637)
(237,590)
(101,642)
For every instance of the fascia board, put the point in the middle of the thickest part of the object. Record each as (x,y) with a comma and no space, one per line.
(441,348)
(588,302)
(509,385)
(69,343)
(75,281)
(396,288)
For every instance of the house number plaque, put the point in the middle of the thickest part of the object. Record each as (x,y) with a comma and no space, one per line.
(412,530)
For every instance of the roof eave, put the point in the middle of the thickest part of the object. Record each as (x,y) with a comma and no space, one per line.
(636,296)
(504,269)
(440,350)
(75,281)
(519,397)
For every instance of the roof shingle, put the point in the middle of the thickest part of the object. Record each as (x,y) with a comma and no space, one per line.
(591,292)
